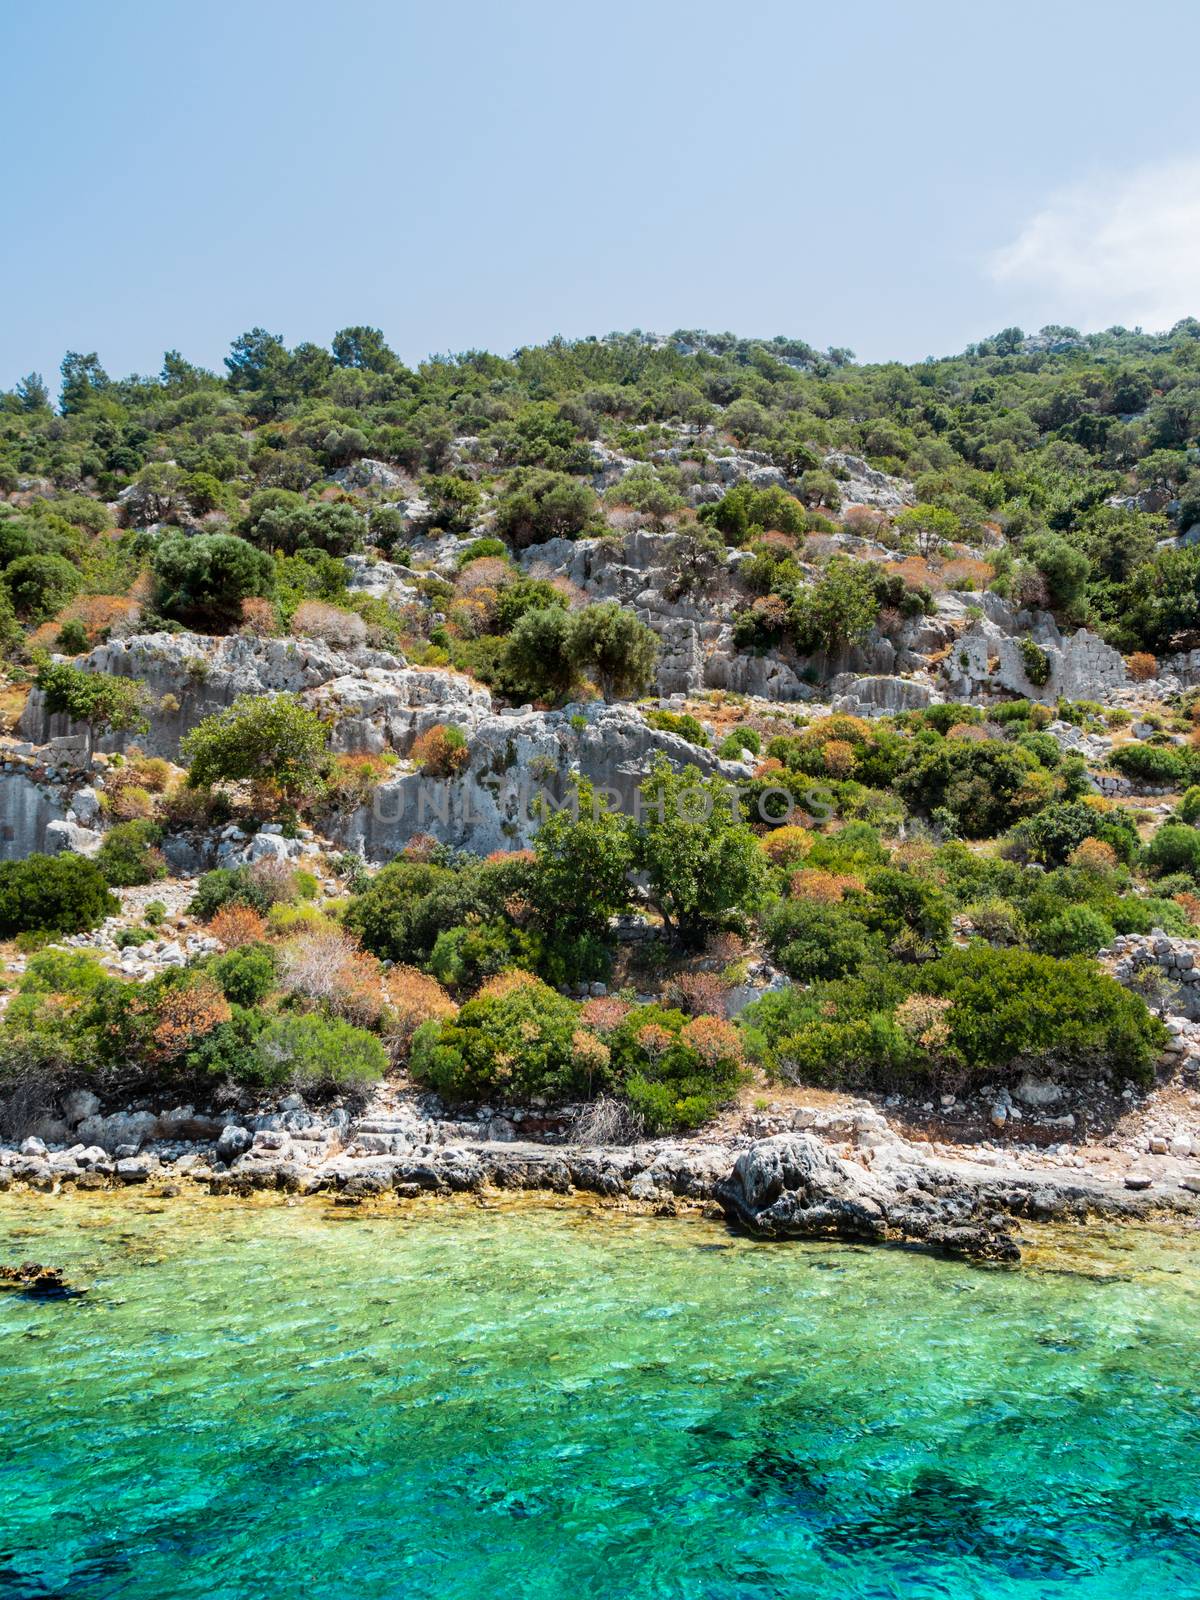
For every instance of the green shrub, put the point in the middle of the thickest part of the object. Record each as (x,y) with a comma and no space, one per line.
(202,581)
(1153,764)
(130,854)
(1036,662)
(1189,805)
(315,1052)
(97,698)
(72,638)
(515,1044)
(1056,832)
(811,941)
(53,894)
(1174,848)
(41,585)
(682,723)
(735,746)
(224,885)
(246,975)
(1077,931)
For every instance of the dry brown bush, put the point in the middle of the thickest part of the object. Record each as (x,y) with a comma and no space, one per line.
(258,618)
(275,880)
(313,619)
(411,998)
(235,924)
(698,993)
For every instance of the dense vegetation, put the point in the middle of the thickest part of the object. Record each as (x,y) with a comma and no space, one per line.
(935,884)
(223,500)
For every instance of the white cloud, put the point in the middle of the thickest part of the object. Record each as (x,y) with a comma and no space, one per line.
(1116,249)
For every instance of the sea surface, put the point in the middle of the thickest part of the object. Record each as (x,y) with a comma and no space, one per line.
(451,1402)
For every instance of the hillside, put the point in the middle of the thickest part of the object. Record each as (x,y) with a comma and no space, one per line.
(309,662)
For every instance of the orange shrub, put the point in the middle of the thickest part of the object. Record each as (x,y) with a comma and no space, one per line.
(821,887)
(258,618)
(698,993)
(236,923)
(1141,666)
(841,727)
(505,982)
(1093,855)
(713,1039)
(604,1013)
(439,752)
(655,1041)
(183,1016)
(411,997)
(839,758)
(1191,905)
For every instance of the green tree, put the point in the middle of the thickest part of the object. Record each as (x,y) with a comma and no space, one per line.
(543,505)
(930,527)
(538,659)
(260,737)
(41,585)
(703,865)
(581,872)
(203,580)
(105,703)
(837,611)
(608,642)
(363,348)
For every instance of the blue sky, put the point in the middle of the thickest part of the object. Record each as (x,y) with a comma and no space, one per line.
(898,178)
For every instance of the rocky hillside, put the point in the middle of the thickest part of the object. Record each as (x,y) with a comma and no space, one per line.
(305,661)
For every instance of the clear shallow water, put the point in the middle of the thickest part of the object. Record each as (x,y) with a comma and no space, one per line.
(260,1401)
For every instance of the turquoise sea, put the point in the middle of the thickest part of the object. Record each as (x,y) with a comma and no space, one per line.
(452,1402)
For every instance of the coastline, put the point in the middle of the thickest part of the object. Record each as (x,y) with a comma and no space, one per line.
(836,1175)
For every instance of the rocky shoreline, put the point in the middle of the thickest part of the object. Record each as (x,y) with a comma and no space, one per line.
(841,1173)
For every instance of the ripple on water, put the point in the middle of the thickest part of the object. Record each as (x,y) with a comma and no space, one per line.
(541,1401)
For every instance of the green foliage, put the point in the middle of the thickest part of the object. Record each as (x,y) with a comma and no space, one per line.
(744,513)
(1007,1009)
(271,738)
(703,865)
(106,703)
(223,886)
(1153,764)
(736,746)
(1175,848)
(516,1045)
(202,580)
(41,585)
(246,975)
(53,894)
(811,941)
(1060,828)
(682,723)
(1035,661)
(130,856)
(611,645)
(543,505)
(1077,931)
(310,1051)
(837,611)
